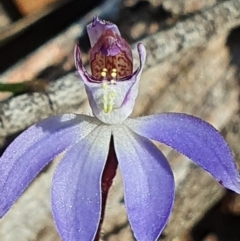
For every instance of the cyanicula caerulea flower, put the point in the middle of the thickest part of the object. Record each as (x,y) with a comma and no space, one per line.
(76,195)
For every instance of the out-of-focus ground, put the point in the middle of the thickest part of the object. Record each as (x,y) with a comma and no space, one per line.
(202,80)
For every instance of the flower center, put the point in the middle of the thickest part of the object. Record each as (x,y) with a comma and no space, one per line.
(108,99)
(110,52)
(120,62)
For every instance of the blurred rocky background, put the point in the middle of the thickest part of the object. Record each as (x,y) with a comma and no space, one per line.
(192,67)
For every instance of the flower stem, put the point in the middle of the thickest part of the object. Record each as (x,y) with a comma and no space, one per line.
(28,86)
(109,173)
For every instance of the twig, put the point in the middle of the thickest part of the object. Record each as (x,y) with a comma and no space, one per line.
(67,93)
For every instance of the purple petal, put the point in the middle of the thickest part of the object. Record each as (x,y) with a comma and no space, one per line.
(76,188)
(194,138)
(148,184)
(34,149)
(96,28)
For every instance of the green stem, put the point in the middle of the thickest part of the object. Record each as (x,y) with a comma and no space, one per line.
(27,86)
(14,88)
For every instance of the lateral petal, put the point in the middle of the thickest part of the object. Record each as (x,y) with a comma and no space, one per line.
(76,188)
(34,149)
(148,183)
(194,138)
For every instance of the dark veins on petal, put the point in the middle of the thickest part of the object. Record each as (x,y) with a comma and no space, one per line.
(111,57)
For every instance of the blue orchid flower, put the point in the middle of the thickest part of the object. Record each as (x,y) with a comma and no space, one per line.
(89,142)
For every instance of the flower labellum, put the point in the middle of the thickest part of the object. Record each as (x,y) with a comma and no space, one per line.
(96,145)
(113,86)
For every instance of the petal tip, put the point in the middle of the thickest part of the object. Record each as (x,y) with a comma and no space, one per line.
(142,53)
(236,186)
(77,56)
